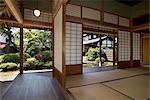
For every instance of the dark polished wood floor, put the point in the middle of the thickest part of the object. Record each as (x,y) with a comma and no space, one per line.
(34,86)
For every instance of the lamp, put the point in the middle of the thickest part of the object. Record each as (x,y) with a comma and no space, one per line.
(36,11)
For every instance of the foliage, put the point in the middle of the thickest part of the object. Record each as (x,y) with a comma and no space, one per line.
(11,57)
(8,66)
(39,41)
(97,60)
(108,64)
(92,53)
(10,39)
(1,51)
(26,56)
(33,64)
(35,42)
(46,56)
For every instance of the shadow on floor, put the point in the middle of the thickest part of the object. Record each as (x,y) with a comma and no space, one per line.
(98,69)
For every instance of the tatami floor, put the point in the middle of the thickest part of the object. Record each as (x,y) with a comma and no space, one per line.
(120,84)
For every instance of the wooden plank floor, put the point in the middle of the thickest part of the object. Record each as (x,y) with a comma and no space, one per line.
(34,86)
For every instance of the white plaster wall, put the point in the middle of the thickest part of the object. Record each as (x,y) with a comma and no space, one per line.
(58,29)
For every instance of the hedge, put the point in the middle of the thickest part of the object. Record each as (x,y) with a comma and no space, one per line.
(8,66)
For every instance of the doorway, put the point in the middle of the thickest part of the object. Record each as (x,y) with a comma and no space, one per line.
(37,50)
(99,52)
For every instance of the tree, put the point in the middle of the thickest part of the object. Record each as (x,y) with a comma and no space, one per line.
(10,44)
(93,54)
(37,41)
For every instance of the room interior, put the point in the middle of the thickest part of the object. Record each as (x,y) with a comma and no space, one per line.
(125,21)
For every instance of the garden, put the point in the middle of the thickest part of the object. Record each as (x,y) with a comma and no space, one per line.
(37,49)
(93,58)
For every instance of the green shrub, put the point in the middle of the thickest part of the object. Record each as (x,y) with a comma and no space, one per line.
(46,56)
(11,57)
(92,54)
(26,56)
(33,64)
(8,66)
(1,51)
(48,64)
(1,58)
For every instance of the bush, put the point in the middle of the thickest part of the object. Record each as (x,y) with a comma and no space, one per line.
(8,66)
(12,57)
(92,54)
(1,58)
(33,64)
(46,56)
(26,56)
(1,51)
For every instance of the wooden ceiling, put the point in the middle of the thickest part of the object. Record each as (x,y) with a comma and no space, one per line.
(43,5)
(129,2)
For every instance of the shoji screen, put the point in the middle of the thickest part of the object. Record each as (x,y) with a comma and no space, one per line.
(124,46)
(73,43)
(136,46)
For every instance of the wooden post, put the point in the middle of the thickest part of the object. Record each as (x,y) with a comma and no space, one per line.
(114,53)
(21,50)
(100,47)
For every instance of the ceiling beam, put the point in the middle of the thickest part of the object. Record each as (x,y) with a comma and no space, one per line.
(15,10)
(141,27)
(27,23)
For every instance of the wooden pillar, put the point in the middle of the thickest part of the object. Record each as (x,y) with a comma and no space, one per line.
(114,60)
(100,47)
(21,50)
(59,37)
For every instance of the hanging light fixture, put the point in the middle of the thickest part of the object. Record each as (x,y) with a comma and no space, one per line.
(36,11)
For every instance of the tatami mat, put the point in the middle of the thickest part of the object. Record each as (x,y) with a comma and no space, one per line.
(96,92)
(135,87)
(90,78)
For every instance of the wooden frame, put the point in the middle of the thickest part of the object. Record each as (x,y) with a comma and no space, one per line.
(79,69)
(80,9)
(28,23)
(99,35)
(91,9)
(60,76)
(102,16)
(124,64)
(15,11)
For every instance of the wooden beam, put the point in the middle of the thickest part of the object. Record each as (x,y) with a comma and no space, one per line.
(141,27)
(28,23)
(8,21)
(37,24)
(15,10)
